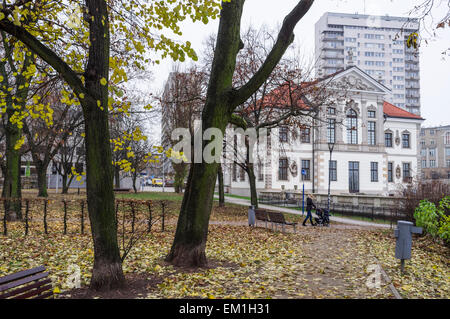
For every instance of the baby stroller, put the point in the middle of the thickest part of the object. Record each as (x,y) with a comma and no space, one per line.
(324,217)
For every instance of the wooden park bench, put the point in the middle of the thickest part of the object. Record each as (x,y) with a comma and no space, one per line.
(278,219)
(261,215)
(27,284)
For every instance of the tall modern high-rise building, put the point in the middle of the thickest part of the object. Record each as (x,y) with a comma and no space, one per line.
(375,44)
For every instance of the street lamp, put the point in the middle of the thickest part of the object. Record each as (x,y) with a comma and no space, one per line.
(330,147)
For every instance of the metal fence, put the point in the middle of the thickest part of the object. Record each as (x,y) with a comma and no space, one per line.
(386,214)
(48,215)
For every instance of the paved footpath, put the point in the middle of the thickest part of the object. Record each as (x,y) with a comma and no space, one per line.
(244,202)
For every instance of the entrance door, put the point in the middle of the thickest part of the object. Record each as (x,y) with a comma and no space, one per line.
(353,177)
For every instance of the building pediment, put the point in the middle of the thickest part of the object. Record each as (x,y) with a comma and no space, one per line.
(355,79)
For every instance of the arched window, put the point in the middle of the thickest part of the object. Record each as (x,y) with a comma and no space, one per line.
(352,127)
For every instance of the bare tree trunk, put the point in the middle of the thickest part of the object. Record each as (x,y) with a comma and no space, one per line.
(188,246)
(11,183)
(65,184)
(107,272)
(117,176)
(221,188)
(252,181)
(42,179)
(134,177)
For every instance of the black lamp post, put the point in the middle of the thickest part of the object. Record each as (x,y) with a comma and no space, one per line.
(330,147)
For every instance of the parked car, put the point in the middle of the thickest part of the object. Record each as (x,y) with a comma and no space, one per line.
(169,183)
(157,182)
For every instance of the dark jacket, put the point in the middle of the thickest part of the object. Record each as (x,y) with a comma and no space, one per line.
(309,204)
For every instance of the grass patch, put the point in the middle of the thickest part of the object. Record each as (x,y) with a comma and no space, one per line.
(152,196)
(233,196)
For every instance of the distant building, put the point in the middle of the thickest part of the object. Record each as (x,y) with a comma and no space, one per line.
(378,44)
(375,147)
(166,127)
(434,147)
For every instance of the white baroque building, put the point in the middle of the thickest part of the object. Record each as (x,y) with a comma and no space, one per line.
(375,146)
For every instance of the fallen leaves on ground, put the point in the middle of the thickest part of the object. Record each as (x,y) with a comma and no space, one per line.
(245,262)
(426,273)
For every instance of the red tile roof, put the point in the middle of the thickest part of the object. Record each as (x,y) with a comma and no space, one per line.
(394,111)
(286,96)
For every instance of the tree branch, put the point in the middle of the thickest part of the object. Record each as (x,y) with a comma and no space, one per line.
(285,38)
(238,121)
(45,53)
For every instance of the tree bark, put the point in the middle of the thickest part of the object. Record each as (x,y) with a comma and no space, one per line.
(180,173)
(252,182)
(188,248)
(107,272)
(134,182)
(65,184)
(41,169)
(11,183)
(117,176)
(221,188)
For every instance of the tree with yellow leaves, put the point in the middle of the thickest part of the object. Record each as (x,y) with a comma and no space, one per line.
(17,70)
(74,39)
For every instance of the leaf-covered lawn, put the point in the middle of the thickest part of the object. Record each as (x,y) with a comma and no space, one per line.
(245,263)
(426,275)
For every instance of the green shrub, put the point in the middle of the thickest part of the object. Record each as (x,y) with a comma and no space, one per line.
(444,228)
(434,220)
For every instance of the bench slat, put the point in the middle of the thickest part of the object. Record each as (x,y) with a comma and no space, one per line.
(35,292)
(21,274)
(20,282)
(277,217)
(44,295)
(24,289)
(261,214)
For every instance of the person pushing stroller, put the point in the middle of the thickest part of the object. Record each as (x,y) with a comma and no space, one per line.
(309,205)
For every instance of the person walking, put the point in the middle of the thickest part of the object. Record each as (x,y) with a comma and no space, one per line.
(309,205)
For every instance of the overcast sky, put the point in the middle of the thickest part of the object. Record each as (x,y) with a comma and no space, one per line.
(434,70)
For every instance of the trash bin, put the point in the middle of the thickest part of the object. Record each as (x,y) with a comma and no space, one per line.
(251,215)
